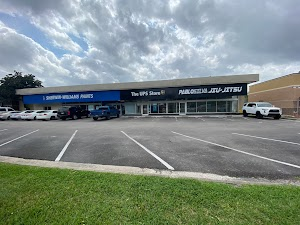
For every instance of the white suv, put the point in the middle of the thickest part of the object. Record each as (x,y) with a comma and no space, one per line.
(261,109)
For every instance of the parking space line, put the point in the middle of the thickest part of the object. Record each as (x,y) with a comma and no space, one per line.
(269,139)
(65,148)
(18,138)
(3,130)
(236,150)
(151,153)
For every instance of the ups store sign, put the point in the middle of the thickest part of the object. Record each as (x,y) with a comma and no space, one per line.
(195,92)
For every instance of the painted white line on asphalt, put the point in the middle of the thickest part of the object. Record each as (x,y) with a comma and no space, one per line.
(3,130)
(151,153)
(246,153)
(18,138)
(269,139)
(65,148)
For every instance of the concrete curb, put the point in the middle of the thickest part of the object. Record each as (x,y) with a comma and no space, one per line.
(145,172)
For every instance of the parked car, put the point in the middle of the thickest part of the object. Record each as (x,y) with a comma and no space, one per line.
(17,116)
(105,112)
(47,115)
(7,115)
(261,109)
(73,112)
(30,115)
(6,109)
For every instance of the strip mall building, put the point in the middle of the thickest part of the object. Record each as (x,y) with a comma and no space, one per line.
(220,94)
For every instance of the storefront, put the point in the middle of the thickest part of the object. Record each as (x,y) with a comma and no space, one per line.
(184,100)
(195,96)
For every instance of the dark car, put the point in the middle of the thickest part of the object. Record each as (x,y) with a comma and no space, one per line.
(73,112)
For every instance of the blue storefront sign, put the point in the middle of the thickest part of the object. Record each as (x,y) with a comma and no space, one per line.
(91,96)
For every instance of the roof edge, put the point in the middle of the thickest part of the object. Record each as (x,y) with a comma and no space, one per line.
(244,78)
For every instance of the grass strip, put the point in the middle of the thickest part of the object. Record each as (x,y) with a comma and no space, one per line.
(33,195)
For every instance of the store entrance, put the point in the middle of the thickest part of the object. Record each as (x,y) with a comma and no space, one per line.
(145,109)
(182,110)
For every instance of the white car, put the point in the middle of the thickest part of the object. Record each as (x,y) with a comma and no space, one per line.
(7,115)
(17,116)
(6,109)
(30,115)
(47,115)
(261,109)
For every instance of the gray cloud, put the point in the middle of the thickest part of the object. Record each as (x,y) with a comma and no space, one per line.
(151,40)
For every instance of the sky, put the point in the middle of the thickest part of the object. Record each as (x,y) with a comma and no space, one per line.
(73,42)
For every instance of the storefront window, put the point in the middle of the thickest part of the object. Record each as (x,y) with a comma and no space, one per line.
(221,106)
(154,108)
(201,106)
(91,107)
(234,106)
(191,107)
(145,109)
(229,106)
(162,107)
(129,108)
(172,107)
(211,106)
(138,109)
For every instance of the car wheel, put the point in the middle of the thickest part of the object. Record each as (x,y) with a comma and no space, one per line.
(63,118)
(52,117)
(34,118)
(74,117)
(277,117)
(245,114)
(108,117)
(88,116)
(95,118)
(8,118)
(258,115)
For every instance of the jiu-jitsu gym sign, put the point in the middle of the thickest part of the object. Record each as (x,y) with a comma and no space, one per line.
(195,92)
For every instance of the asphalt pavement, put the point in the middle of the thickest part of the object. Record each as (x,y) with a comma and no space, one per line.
(224,145)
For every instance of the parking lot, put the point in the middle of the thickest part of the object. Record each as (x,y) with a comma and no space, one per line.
(223,145)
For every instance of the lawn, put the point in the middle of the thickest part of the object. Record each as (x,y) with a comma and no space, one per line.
(33,195)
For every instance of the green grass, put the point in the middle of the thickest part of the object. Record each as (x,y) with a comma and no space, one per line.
(32,195)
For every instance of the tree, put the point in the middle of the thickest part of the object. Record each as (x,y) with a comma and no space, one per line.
(11,82)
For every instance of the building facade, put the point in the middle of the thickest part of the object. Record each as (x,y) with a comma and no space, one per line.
(283,92)
(221,94)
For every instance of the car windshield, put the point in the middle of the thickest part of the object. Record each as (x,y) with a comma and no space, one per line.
(264,105)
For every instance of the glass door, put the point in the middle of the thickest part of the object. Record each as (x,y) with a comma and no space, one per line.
(145,109)
(182,108)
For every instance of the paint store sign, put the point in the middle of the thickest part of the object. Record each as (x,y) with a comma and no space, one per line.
(67,97)
(212,90)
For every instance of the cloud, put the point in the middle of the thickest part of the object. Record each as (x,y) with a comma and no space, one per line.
(21,53)
(152,40)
